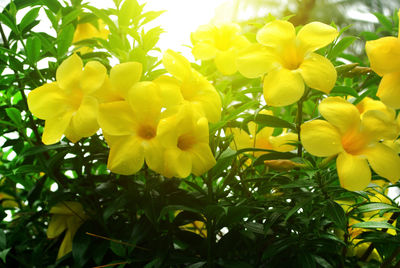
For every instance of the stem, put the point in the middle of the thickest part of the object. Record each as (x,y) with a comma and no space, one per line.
(299,119)
(210,225)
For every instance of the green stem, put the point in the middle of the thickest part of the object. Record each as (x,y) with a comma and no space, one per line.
(299,119)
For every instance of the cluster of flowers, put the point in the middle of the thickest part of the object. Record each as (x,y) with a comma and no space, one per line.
(162,122)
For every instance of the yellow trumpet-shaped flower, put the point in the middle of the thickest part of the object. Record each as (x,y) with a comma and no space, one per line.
(88,30)
(68,106)
(384,57)
(185,139)
(130,129)
(261,139)
(188,86)
(221,43)
(66,216)
(355,139)
(289,60)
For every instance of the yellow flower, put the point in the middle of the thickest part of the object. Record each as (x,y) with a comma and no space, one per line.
(355,139)
(261,139)
(187,86)
(384,57)
(88,30)
(67,105)
(66,216)
(197,227)
(130,129)
(8,201)
(220,43)
(289,60)
(185,139)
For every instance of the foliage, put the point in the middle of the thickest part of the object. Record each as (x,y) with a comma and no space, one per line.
(243,212)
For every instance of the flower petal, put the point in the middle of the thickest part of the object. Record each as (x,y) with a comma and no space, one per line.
(276,33)
(282,87)
(318,73)
(153,154)
(116,118)
(176,64)
(123,76)
(389,90)
(353,171)
(340,113)
(170,91)
(204,51)
(93,76)
(320,138)
(254,61)
(144,99)
(315,35)
(377,125)
(48,101)
(202,158)
(240,139)
(384,54)
(226,62)
(283,143)
(384,161)
(69,71)
(84,122)
(126,154)
(177,163)
(66,245)
(55,127)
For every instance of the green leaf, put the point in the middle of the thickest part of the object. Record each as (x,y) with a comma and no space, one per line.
(54,5)
(29,18)
(3,241)
(43,148)
(273,121)
(15,115)
(344,43)
(33,46)
(344,90)
(130,9)
(374,225)
(9,22)
(376,206)
(118,249)
(384,21)
(53,19)
(272,156)
(64,40)
(151,15)
(3,254)
(104,17)
(336,214)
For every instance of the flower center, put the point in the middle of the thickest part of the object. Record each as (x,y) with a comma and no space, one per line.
(291,57)
(186,141)
(147,132)
(354,142)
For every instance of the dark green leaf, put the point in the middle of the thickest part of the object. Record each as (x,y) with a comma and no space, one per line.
(15,115)
(3,241)
(273,121)
(9,22)
(376,206)
(272,156)
(336,214)
(374,225)
(54,5)
(3,254)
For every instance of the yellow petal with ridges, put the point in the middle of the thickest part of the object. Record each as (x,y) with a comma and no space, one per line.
(320,138)
(204,51)
(384,54)
(93,76)
(283,143)
(55,127)
(377,125)
(116,118)
(170,91)
(254,61)
(276,33)
(176,64)
(226,62)
(384,161)
(318,73)
(84,122)
(177,163)
(340,113)
(123,76)
(282,87)
(353,171)
(202,158)
(144,99)
(69,72)
(389,90)
(315,35)
(126,154)
(48,101)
